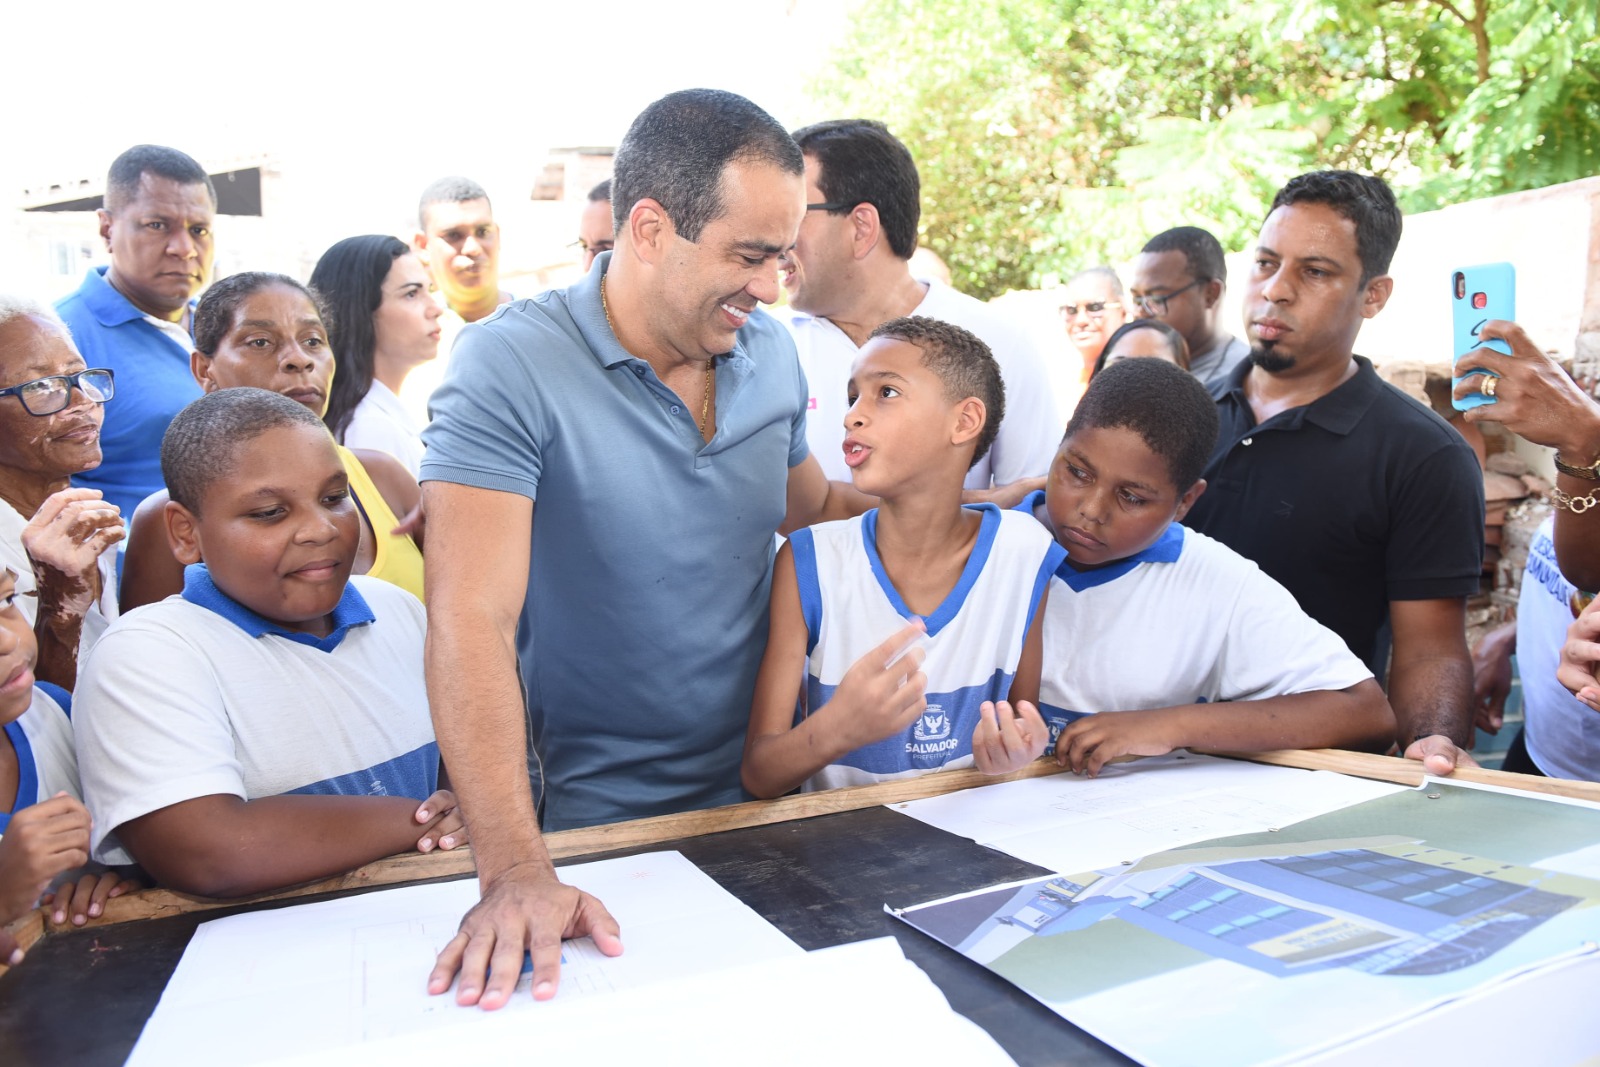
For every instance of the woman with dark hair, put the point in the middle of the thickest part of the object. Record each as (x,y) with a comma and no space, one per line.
(266,331)
(1144,338)
(384,324)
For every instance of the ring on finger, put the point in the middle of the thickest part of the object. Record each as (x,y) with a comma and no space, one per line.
(1488,385)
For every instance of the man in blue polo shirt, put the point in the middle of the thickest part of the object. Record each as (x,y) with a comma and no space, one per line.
(657,417)
(133,316)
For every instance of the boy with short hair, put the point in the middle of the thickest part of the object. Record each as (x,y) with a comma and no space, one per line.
(1185,642)
(926,400)
(44,827)
(269,725)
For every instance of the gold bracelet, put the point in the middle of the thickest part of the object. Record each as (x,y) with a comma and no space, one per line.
(1575,504)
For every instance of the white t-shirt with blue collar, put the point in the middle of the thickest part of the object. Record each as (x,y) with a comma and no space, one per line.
(973,642)
(197,695)
(1186,621)
(42,738)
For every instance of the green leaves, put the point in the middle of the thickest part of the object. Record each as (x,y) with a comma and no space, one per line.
(1055,134)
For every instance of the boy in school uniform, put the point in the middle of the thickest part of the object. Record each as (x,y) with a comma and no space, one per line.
(1185,643)
(269,725)
(44,827)
(963,586)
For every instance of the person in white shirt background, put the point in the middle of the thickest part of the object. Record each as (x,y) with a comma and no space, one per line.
(849,272)
(385,324)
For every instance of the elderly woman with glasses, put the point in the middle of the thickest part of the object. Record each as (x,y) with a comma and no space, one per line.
(59,540)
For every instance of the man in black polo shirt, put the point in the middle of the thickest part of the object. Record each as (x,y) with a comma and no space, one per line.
(1363,503)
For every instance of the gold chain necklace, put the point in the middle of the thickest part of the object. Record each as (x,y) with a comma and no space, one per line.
(711,364)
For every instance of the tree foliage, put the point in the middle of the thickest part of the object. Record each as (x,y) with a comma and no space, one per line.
(1054,134)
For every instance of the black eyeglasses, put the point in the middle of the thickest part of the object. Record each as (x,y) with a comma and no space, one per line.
(1157,305)
(830,208)
(46,396)
(1095,309)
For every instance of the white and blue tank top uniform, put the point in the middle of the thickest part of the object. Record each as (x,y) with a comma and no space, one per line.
(1186,621)
(973,643)
(42,739)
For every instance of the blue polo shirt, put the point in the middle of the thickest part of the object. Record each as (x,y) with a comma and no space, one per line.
(646,610)
(153,384)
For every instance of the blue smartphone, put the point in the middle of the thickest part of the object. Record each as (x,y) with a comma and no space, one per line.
(1478,294)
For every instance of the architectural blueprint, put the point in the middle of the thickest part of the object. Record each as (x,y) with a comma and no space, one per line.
(1271,946)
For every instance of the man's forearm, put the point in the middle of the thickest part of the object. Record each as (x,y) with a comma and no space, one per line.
(481,726)
(1433,695)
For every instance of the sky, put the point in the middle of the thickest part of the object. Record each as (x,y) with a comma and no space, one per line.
(404,86)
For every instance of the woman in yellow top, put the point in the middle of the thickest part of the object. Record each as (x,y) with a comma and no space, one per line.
(266,331)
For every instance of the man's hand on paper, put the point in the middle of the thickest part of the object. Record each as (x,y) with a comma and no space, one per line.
(1439,755)
(1008,740)
(441,822)
(524,909)
(1580,657)
(1088,744)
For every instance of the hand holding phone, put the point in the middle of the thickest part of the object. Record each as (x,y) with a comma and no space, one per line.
(1478,294)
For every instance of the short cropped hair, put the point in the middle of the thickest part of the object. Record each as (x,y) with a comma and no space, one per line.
(1200,249)
(962,362)
(13,306)
(677,149)
(600,193)
(861,162)
(213,316)
(1108,273)
(450,190)
(202,441)
(1162,403)
(1364,200)
(1174,339)
(122,181)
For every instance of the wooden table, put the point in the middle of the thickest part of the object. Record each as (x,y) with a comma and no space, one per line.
(819,866)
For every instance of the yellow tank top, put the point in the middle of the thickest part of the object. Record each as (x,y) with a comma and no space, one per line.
(397,559)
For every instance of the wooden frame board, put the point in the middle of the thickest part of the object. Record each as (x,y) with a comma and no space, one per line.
(566,844)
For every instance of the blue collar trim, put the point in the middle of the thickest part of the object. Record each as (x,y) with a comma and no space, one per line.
(27,773)
(352,610)
(110,307)
(989,525)
(1166,549)
(1031,502)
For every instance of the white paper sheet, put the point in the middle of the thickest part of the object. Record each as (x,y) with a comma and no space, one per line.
(1068,824)
(860,1003)
(296,980)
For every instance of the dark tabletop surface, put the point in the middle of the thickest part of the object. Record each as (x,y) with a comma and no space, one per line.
(82,997)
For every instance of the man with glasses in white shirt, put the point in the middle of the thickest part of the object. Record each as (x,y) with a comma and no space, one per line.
(1179,278)
(850,272)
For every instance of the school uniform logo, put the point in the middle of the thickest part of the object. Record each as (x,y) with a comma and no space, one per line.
(931,743)
(933,726)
